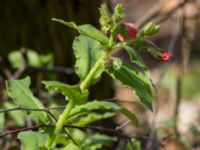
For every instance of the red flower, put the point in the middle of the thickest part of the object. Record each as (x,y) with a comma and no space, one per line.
(165,56)
(131,31)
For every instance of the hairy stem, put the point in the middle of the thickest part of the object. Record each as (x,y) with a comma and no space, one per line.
(85,83)
(101,61)
(60,123)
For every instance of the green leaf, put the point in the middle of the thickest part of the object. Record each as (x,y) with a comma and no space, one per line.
(94,33)
(19,91)
(71,146)
(87,30)
(18,116)
(150,29)
(100,105)
(87,51)
(118,14)
(97,141)
(135,57)
(69,24)
(92,117)
(71,92)
(2,121)
(133,79)
(32,140)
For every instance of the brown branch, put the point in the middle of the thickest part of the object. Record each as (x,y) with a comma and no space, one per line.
(96,128)
(30,109)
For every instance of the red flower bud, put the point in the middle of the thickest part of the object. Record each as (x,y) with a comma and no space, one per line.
(131,31)
(165,56)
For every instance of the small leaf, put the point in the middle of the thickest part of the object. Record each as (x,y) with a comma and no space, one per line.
(92,117)
(87,51)
(69,24)
(87,30)
(94,33)
(31,140)
(150,29)
(71,92)
(135,57)
(19,91)
(133,79)
(100,105)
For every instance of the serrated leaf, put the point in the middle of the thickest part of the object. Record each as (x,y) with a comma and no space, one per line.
(133,79)
(31,140)
(94,33)
(134,56)
(19,91)
(87,51)
(87,30)
(71,92)
(18,116)
(92,117)
(100,105)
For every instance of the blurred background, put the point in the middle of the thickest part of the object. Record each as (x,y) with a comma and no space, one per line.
(31,44)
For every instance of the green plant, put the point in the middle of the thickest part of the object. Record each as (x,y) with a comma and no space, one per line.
(93,50)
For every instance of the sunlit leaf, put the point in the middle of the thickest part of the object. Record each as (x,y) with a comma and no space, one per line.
(87,30)
(92,117)
(134,56)
(19,91)
(87,51)
(133,79)
(100,105)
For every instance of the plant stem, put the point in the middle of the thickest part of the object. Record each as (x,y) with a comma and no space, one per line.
(60,123)
(85,83)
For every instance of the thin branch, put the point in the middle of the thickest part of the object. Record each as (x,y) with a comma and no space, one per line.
(29,109)
(96,128)
(56,69)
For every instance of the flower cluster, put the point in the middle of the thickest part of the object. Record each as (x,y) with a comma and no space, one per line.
(166,56)
(131,30)
(132,33)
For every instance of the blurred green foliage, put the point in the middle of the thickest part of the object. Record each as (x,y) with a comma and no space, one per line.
(28,24)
